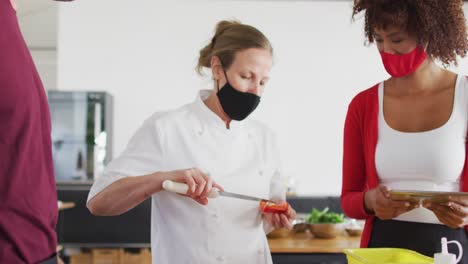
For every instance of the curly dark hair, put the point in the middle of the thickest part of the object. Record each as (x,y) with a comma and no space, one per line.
(438,23)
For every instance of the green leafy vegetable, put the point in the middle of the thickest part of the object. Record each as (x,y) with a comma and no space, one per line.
(323,217)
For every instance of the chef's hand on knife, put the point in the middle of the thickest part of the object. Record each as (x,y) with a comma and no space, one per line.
(452,212)
(199,182)
(279,220)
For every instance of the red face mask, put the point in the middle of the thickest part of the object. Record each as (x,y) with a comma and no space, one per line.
(403,65)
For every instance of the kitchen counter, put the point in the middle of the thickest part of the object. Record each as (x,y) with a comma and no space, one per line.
(304,248)
(306,243)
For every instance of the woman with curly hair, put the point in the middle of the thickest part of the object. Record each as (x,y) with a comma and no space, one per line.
(409,132)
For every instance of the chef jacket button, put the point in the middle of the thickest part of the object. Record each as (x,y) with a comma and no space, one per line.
(260,172)
(220,258)
(200,132)
(214,215)
(260,251)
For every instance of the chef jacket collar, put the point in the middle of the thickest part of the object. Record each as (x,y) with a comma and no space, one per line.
(209,118)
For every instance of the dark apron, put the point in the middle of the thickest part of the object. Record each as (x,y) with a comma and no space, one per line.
(52,260)
(420,237)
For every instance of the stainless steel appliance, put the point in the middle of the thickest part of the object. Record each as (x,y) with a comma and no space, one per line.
(81,134)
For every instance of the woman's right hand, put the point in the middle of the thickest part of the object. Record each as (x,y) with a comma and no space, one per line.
(199,182)
(378,202)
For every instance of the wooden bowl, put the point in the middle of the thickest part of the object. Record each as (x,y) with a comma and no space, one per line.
(327,230)
(279,233)
(354,231)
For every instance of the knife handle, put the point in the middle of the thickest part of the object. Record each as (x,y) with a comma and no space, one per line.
(182,188)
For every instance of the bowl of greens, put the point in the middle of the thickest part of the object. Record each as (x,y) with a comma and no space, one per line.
(325,224)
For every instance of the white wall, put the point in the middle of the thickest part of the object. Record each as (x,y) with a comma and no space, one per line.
(38,22)
(144,53)
(46,64)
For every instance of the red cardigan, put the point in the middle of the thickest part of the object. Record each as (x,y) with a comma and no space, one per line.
(359,172)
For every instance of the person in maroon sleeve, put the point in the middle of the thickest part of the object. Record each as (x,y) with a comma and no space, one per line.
(409,132)
(28,198)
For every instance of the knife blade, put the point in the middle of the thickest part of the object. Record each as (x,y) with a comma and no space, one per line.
(182,188)
(243,197)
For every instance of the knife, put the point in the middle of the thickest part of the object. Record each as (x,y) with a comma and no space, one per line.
(182,188)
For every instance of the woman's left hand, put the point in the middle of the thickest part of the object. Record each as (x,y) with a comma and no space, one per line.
(453,212)
(279,220)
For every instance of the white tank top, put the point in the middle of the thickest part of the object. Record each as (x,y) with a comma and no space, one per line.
(427,161)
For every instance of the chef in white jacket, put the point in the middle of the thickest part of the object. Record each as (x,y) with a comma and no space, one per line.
(207,143)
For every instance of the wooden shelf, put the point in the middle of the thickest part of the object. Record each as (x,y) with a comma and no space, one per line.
(66,205)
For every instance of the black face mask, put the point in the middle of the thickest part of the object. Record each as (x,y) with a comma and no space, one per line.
(237,105)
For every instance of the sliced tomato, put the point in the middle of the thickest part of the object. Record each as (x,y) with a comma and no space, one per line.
(269,207)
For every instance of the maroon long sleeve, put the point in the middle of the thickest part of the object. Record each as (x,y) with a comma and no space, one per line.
(28,198)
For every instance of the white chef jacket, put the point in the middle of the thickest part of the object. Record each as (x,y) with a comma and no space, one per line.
(243,159)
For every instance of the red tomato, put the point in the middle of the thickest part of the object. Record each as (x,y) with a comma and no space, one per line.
(269,207)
